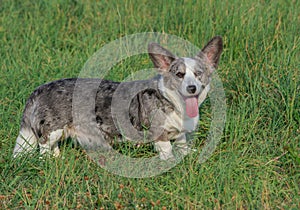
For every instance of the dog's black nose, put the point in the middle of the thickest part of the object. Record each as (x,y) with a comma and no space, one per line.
(191,89)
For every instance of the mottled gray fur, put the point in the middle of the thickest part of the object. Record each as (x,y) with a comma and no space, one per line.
(48,116)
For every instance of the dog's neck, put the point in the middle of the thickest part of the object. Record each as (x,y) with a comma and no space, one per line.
(172,96)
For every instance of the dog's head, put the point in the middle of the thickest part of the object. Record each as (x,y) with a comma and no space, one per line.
(189,77)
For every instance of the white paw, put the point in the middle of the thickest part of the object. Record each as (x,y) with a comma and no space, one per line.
(166,156)
(185,149)
(56,152)
(164,149)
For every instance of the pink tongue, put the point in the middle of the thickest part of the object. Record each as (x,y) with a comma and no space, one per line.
(192,106)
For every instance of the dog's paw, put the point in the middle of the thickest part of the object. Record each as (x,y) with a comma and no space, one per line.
(185,149)
(166,156)
(56,152)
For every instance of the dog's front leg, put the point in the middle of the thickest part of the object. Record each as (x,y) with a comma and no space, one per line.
(182,145)
(164,149)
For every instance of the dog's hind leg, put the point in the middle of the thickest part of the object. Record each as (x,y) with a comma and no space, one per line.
(51,144)
(26,142)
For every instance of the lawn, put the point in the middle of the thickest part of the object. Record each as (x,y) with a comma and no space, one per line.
(256,164)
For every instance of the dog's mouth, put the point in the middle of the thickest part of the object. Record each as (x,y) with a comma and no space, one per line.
(191,105)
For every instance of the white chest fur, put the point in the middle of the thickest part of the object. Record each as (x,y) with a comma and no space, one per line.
(174,122)
(190,124)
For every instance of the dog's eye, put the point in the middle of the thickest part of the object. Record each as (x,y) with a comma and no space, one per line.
(180,74)
(198,73)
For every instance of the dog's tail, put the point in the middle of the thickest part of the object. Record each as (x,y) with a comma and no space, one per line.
(26,142)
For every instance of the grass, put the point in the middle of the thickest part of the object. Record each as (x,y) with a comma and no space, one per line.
(256,164)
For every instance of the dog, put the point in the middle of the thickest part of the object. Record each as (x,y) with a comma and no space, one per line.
(176,93)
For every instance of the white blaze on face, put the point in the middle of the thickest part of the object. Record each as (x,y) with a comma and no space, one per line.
(191,99)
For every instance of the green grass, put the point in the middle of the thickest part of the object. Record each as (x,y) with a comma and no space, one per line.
(255,166)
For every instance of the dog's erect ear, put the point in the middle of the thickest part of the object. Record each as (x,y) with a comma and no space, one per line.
(160,56)
(213,50)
